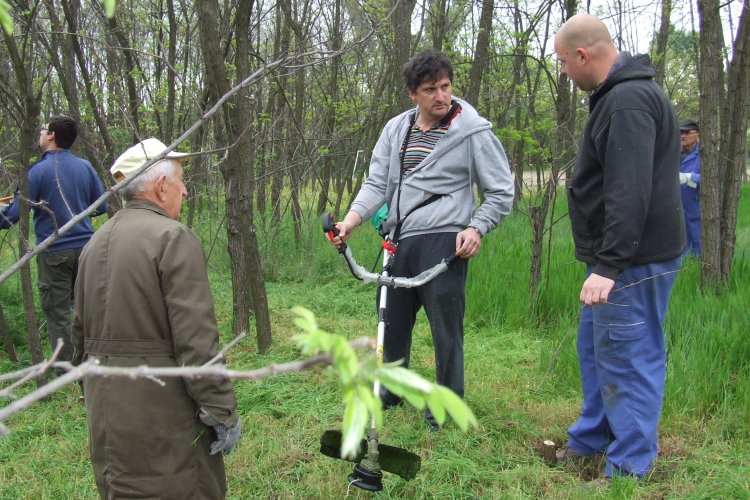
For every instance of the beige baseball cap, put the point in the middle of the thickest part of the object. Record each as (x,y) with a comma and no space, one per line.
(134,158)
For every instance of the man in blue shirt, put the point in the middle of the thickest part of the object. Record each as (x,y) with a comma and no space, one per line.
(63,185)
(690,180)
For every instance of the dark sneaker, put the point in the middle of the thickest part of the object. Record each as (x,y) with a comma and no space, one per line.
(566,454)
(431,422)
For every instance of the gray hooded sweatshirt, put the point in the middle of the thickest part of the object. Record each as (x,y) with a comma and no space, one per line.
(468,154)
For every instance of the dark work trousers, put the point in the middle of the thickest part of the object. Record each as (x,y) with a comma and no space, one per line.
(444,301)
(57,277)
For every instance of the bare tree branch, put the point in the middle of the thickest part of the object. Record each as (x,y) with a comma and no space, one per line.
(92,368)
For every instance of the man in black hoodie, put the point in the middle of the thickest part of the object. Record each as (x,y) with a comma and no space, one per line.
(628,227)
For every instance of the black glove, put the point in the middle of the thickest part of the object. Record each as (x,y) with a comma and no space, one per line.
(226,438)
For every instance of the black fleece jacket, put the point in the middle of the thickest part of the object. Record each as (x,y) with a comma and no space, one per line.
(624,195)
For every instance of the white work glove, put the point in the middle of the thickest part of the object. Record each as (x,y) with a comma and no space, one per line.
(226,438)
(684,178)
(690,181)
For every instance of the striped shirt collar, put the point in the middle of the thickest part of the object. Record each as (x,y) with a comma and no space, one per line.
(444,121)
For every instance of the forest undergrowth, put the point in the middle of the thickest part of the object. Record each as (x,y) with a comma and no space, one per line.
(704,430)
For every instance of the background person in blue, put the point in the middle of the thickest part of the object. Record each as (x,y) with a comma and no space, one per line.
(67,185)
(690,180)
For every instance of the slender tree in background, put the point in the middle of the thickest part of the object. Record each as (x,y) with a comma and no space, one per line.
(21,58)
(71,9)
(331,97)
(129,71)
(237,168)
(481,53)
(659,59)
(724,122)
(7,340)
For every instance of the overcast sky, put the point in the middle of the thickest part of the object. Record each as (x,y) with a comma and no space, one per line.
(641,19)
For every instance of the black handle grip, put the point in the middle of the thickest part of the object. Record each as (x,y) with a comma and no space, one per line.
(330,227)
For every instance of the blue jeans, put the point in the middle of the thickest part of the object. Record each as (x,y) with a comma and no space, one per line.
(622,358)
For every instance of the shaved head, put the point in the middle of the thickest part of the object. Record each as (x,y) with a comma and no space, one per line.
(585,51)
(584,31)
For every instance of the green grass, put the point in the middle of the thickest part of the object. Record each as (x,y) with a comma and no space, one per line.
(703,431)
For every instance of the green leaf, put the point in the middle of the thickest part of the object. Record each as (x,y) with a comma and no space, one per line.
(436,406)
(308,343)
(306,325)
(361,404)
(414,397)
(374,405)
(344,359)
(109,8)
(344,353)
(354,425)
(461,413)
(5,20)
(405,384)
(316,339)
(303,312)
(401,377)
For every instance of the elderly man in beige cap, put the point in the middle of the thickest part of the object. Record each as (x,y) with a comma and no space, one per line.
(143,298)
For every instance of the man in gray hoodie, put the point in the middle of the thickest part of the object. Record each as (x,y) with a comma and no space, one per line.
(425,166)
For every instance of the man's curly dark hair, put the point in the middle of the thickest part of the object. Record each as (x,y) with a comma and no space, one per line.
(430,65)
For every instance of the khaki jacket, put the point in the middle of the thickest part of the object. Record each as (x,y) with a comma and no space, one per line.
(142,297)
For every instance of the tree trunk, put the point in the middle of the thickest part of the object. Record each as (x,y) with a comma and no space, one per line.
(517,152)
(481,53)
(538,216)
(237,169)
(208,13)
(438,18)
(133,100)
(62,58)
(661,42)
(710,82)
(562,154)
(172,59)
(734,121)
(71,9)
(241,118)
(297,143)
(7,340)
(28,131)
(261,177)
(330,117)
(400,34)
(280,161)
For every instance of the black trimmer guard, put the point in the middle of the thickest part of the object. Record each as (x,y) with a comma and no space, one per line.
(391,459)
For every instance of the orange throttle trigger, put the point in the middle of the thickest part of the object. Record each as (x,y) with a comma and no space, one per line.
(330,228)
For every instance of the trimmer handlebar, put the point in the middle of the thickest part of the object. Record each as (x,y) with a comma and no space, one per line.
(361,273)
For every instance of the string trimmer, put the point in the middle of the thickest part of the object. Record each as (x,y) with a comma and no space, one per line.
(368,473)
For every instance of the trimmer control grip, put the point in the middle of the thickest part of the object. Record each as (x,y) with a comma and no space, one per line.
(330,228)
